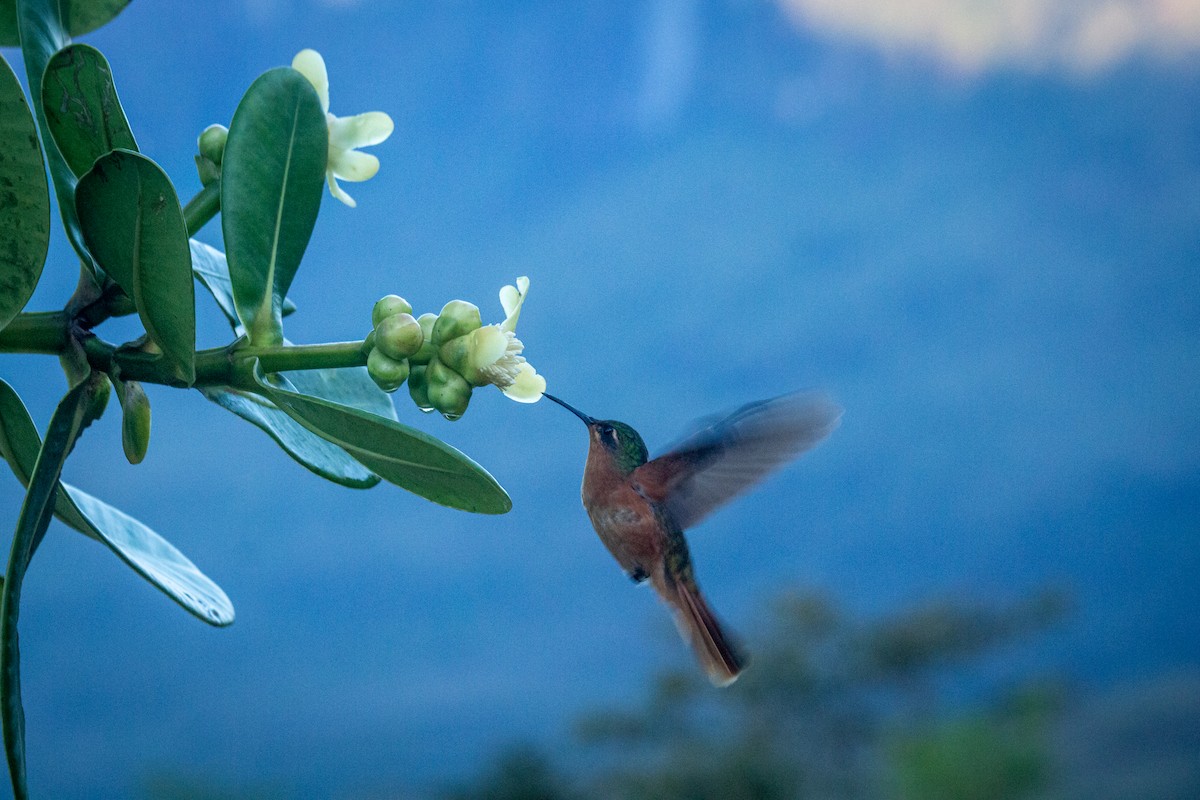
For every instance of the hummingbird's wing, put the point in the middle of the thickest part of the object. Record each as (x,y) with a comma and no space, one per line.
(726,457)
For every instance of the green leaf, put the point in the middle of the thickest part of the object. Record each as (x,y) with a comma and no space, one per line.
(325,459)
(349,386)
(271,184)
(84,17)
(19,439)
(212,270)
(151,556)
(133,224)
(24,200)
(43,32)
(401,455)
(68,420)
(83,113)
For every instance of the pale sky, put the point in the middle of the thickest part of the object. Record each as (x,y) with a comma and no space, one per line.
(1081,36)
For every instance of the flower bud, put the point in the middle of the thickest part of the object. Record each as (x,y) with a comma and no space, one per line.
(206,170)
(418,388)
(387,306)
(427,351)
(211,143)
(458,317)
(135,421)
(448,391)
(399,336)
(456,354)
(388,373)
(369,343)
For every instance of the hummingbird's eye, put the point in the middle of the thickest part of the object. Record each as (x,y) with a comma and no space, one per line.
(608,435)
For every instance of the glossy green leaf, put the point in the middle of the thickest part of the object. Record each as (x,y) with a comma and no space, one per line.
(133,224)
(401,455)
(37,510)
(325,459)
(24,200)
(212,270)
(272,179)
(151,556)
(83,113)
(43,25)
(84,16)
(352,387)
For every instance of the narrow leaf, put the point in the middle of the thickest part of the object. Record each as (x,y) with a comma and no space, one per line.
(401,455)
(85,16)
(134,226)
(212,270)
(24,200)
(36,512)
(43,28)
(83,113)
(271,184)
(151,556)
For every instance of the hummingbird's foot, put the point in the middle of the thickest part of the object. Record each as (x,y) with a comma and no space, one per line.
(638,575)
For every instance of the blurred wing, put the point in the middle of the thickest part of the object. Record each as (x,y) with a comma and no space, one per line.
(726,457)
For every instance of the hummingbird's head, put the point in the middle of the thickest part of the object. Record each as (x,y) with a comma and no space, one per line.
(623,444)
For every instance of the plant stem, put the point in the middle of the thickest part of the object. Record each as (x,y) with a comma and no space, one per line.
(48,332)
(35,332)
(282,358)
(203,207)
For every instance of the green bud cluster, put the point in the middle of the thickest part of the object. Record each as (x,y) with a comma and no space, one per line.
(395,337)
(430,352)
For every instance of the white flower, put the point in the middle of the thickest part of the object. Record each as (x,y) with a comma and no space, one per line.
(495,352)
(346,134)
(528,386)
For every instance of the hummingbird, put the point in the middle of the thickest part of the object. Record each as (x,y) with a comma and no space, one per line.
(640,507)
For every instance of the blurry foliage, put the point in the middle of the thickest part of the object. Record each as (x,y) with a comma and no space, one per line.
(521,772)
(999,755)
(832,707)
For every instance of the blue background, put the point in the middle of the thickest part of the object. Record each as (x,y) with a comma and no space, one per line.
(994,269)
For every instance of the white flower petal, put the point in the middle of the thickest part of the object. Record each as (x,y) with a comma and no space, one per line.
(488,345)
(528,386)
(310,64)
(337,191)
(351,165)
(361,130)
(512,298)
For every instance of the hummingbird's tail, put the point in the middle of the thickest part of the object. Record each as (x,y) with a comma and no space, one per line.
(698,625)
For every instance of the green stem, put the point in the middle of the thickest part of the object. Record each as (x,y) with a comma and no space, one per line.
(48,332)
(283,358)
(35,332)
(203,207)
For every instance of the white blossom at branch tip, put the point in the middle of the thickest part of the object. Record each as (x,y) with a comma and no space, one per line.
(495,351)
(346,134)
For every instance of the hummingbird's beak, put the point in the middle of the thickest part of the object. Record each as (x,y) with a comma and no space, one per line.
(586,419)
